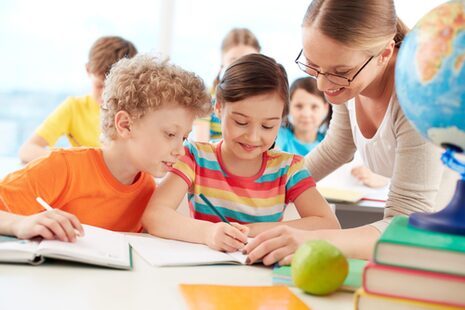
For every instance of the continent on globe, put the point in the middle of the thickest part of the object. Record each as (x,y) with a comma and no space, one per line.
(436,37)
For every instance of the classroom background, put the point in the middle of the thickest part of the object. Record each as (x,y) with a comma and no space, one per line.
(45,44)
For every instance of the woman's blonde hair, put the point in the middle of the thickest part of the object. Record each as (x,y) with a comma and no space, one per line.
(145,83)
(362,24)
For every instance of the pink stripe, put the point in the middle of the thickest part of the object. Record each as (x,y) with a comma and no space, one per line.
(222,185)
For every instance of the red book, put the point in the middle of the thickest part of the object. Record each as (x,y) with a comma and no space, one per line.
(412,284)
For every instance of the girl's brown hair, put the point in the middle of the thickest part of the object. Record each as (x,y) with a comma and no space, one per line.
(252,75)
(362,24)
(236,37)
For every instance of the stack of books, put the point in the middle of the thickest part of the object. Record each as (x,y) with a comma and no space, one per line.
(414,269)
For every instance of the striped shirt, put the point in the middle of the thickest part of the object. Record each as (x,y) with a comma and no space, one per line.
(259,198)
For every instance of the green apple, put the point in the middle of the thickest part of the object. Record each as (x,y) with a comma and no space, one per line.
(318,267)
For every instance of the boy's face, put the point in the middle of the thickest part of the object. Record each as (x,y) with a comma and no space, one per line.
(97,82)
(156,140)
(250,125)
(307,111)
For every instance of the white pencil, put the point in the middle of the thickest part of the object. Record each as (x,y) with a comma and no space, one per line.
(47,207)
(44,204)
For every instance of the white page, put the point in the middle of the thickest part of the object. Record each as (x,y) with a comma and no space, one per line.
(17,250)
(164,252)
(97,246)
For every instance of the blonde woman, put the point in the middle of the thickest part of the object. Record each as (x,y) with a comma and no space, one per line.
(350,47)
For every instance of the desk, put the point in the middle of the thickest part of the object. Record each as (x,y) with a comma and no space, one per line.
(61,285)
(361,213)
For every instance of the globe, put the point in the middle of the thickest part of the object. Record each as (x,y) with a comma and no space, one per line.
(430,85)
(430,75)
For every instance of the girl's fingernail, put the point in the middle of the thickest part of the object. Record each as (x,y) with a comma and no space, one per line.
(247,261)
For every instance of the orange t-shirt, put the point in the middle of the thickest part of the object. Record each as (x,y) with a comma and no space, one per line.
(78,181)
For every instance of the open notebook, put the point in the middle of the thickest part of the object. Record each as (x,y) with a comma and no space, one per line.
(98,247)
(164,252)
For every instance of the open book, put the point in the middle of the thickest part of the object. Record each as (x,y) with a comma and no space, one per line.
(98,247)
(164,252)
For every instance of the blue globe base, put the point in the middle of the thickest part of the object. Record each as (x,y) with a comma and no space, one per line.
(450,220)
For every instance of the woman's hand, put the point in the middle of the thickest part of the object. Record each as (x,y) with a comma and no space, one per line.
(276,245)
(227,237)
(53,224)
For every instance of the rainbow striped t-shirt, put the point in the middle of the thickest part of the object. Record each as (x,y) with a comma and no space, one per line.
(260,198)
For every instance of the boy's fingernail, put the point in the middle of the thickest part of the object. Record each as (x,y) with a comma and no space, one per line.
(247,261)
(244,251)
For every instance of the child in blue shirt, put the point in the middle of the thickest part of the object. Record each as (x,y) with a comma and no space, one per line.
(309,115)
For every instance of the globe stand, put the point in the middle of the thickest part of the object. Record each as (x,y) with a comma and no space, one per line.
(451,219)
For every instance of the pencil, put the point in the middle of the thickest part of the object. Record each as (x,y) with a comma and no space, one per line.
(47,207)
(209,204)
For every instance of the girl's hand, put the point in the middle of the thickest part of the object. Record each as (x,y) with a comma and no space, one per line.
(53,224)
(276,245)
(369,178)
(227,237)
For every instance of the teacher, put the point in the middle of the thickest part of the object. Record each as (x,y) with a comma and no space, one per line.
(350,47)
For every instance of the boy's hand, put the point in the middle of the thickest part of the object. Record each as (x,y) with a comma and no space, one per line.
(227,237)
(53,224)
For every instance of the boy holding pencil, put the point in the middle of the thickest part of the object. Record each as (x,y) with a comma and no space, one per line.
(148,110)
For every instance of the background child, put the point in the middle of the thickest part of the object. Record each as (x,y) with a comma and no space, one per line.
(237,43)
(307,123)
(246,181)
(308,119)
(79,117)
(148,110)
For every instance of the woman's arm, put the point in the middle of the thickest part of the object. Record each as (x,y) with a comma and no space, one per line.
(314,211)
(279,244)
(336,149)
(161,219)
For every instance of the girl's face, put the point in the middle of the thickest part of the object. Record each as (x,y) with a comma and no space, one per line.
(250,126)
(307,111)
(328,56)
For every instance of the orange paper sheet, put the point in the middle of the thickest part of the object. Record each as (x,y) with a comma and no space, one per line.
(221,297)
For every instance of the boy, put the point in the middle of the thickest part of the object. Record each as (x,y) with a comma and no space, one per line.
(147,112)
(79,117)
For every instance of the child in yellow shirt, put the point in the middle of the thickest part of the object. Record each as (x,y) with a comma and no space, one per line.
(147,112)
(79,117)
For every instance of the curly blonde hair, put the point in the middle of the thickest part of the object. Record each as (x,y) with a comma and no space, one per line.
(145,83)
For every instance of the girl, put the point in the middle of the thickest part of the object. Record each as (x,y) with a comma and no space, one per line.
(238,42)
(307,123)
(309,115)
(248,183)
(350,47)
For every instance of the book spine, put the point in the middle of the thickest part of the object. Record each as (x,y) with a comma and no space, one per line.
(426,275)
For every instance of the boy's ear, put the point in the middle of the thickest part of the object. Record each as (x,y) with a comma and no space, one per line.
(218,107)
(123,123)
(87,68)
